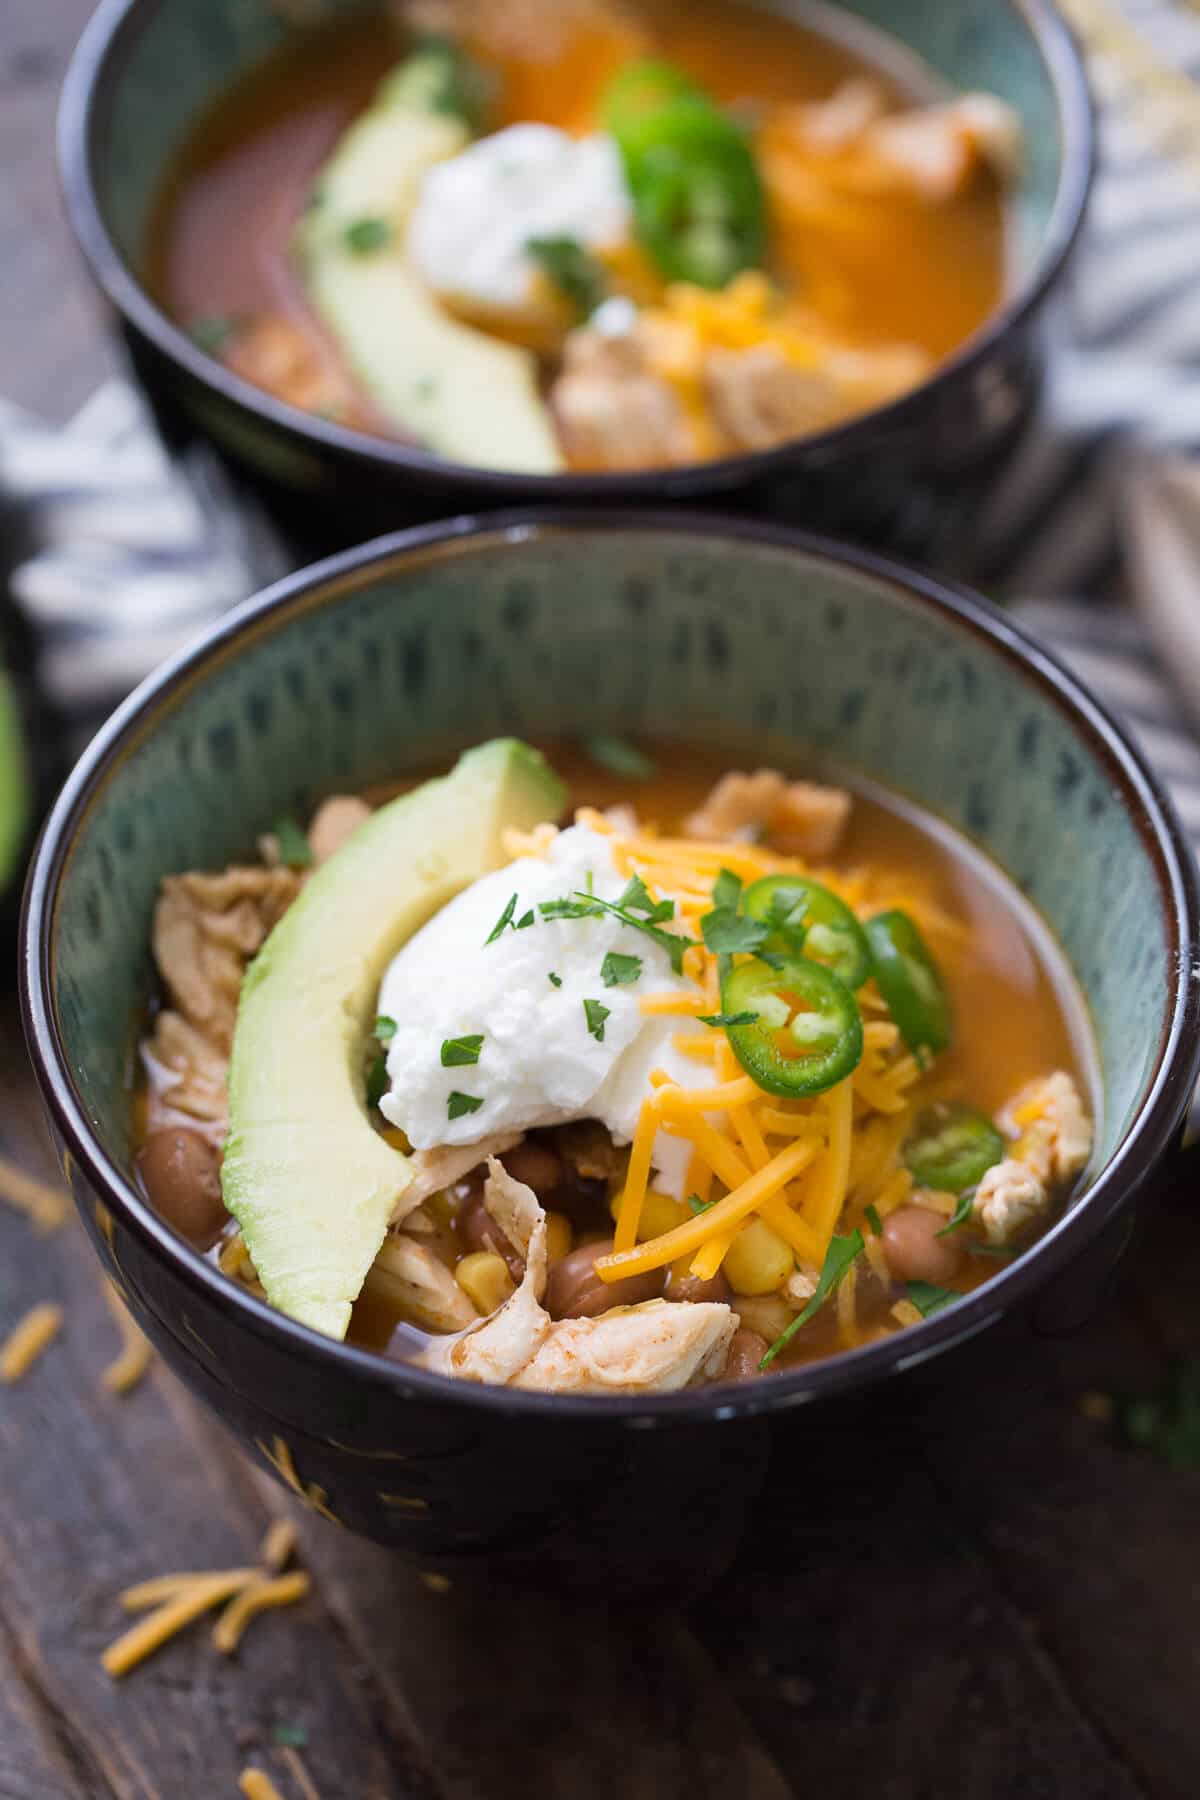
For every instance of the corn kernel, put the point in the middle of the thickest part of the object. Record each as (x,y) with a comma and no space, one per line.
(484,1279)
(758,1261)
(660,1214)
(559,1235)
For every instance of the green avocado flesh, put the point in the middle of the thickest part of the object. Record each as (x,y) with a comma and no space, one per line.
(309,1180)
(464,394)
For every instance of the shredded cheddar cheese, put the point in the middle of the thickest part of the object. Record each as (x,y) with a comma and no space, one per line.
(255,1597)
(44,1206)
(802,1165)
(179,1599)
(28,1338)
(136,1355)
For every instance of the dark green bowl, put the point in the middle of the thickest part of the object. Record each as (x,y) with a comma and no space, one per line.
(395,655)
(145,68)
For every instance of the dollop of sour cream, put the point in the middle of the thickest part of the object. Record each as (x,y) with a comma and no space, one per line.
(477,211)
(545,1057)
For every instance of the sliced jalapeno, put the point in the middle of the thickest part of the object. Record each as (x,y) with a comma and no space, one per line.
(697,198)
(643,88)
(952,1147)
(910,981)
(808,1033)
(807,915)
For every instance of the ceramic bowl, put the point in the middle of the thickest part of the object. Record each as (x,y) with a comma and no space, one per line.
(393,656)
(901,475)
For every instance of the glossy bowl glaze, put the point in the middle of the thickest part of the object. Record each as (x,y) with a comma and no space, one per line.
(899,475)
(393,656)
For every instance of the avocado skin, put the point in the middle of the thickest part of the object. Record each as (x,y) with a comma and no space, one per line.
(310,1181)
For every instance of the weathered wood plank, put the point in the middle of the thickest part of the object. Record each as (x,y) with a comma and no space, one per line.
(99,1492)
(34,1764)
(54,349)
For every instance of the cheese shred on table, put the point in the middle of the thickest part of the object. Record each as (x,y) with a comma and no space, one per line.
(122,1375)
(28,1338)
(178,1599)
(44,1206)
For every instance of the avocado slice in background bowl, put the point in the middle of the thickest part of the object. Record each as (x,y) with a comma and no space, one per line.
(16,798)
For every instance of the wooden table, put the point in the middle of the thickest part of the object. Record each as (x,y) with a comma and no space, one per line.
(964,1589)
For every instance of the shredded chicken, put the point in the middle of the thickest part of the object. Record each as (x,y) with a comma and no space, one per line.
(206,929)
(656,1348)
(1009,1198)
(188,1073)
(336,820)
(612,410)
(799,817)
(420,1286)
(1053,1142)
(800,1286)
(275,353)
(936,152)
(1052,1130)
(498,1349)
(433,1170)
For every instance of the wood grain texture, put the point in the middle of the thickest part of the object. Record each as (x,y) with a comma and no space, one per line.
(959,1587)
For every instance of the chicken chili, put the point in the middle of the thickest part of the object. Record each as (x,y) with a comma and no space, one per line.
(585,234)
(621,1083)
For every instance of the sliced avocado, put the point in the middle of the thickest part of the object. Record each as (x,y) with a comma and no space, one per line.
(464,394)
(309,1180)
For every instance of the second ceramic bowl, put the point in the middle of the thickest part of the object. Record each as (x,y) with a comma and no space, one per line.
(900,475)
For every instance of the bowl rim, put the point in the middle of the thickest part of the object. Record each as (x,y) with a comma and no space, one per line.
(83,111)
(1150,1134)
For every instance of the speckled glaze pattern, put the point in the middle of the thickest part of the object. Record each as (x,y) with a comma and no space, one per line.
(908,475)
(400,655)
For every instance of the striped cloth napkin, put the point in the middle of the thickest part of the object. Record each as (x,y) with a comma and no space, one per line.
(137,553)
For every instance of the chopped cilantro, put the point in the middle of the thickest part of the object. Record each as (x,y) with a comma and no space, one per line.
(724,1020)
(212,335)
(595,1015)
(385,1029)
(458,1104)
(619,757)
(840,1254)
(294,848)
(636,898)
(698,1205)
(873,1220)
(555,980)
(1001,1250)
(458,1052)
(670,941)
(929,1299)
(525,920)
(727,890)
(581,907)
(502,923)
(575,272)
(377,1081)
(962,1213)
(617,970)
(293,1735)
(726,932)
(362,236)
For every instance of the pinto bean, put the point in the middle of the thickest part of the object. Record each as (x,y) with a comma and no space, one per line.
(746,1351)
(536,1166)
(913,1249)
(481,1232)
(182,1174)
(575,1291)
(682,1286)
